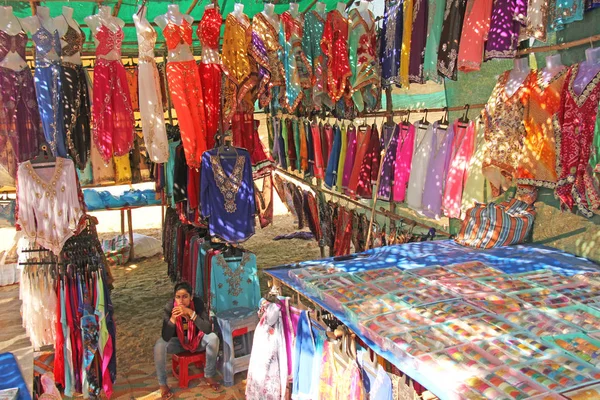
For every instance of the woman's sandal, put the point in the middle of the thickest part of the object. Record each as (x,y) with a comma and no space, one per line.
(215,385)
(166,394)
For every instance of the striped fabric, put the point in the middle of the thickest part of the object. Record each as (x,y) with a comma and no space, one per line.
(494,225)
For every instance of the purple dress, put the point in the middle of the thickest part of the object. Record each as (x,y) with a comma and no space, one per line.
(350,155)
(508,16)
(389,135)
(418,41)
(391,43)
(227,194)
(436,172)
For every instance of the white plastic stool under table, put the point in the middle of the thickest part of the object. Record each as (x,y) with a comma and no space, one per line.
(235,322)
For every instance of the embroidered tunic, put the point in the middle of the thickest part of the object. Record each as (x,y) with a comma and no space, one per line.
(508,16)
(538,162)
(434,31)
(574,127)
(504,133)
(391,43)
(334,45)
(366,79)
(418,41)
(314,26)
(537,19)
(295,63)
(474,34)
(564,12)
(234,282)
(450,39)
(49,207)
(227,194)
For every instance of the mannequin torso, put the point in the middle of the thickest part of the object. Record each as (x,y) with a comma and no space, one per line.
(62,23)
(553,67)
(144,32)
(113,24)
(363,9)
(269,14)
(320,9)
(11,26)
(517,76)
(293,10)
(42,20)
(588,69)
(183,51)
(238,12)
(341,7)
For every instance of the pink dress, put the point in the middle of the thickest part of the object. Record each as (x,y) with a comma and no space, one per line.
(474,34)
(463,146)
(404,154)
(112,112)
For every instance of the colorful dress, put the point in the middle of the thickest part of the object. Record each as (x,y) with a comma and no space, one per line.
(450,38)
(389,137)
(437,169)
(474,34)
(504,132)
(537,167)
(391,43)
(423,149)
(595,156)
(537,19)
(366,79)
(418,41)
(342,159)
(477,189)
(406,42)
(574,128)
(334,46)
(404,155)
(363,136)
(334,158)
(295,63)
(350,156)
(462,150)
(314,25)
(267,52)
(434,31)
(564,12)
(508,17)
(369,168)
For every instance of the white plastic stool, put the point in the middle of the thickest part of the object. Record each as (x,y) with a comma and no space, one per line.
(239,321)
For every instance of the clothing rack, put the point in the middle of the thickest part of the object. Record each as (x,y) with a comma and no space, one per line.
(406,111)
(343,197)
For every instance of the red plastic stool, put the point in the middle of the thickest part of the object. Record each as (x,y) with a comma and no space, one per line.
(183,360)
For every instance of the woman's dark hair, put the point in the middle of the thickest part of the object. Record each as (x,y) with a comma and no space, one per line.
(185,286)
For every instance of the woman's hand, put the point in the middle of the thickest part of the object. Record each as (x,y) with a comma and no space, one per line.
(187,312)
(175,313)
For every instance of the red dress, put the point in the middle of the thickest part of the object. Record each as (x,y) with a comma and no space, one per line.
(209,31)
(335,47)
(574,126)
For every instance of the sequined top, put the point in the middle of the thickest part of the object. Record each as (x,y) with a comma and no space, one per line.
(209,28)
(74,40)
(366,75)
(45,42)
(146,36)
(335,46)
(13,43)
(108,40)
(236,40)
(177,34)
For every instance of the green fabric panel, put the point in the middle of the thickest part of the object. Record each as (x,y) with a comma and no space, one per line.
(416,101)
(155,8)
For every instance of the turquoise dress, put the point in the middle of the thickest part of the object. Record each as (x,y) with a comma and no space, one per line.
(297,75)
(234,282)
(434,27)
(565,12)
(314,25)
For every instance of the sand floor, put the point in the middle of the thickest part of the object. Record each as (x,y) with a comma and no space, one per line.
(142,288)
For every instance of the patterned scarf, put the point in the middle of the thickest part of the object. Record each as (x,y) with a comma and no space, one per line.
(194,335)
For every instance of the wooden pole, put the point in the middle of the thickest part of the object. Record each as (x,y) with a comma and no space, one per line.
(192,6)
(115,13)
(560,46)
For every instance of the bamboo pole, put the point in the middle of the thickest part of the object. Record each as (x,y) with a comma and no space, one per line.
(560,46)
(117,8)
(192,6)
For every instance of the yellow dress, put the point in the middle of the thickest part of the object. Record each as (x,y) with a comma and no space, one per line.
(406,35)
(342,160)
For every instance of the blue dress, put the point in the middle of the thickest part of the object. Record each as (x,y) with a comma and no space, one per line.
(334,157)
(227,194)
(391,43)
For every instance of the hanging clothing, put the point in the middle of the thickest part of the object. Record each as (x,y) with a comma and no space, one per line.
(267,371)
(537,166)
(334,158)
(363,137)
(49,207)
(78,118)
(433,191)
(350,156)
(48,87)
(423,149)
(132,83)
(210,73)
(20,126)
(291,144)
(339,381)
(151,109)
(307,356)
(477,188)
(460,157)
(366,78)
(402,164)
(327,141)
(314,25)
(264,199)
(370,165)
(334,46)
(505,131)
(508,17)
(268,53)
(406,42)
(295,63)
(245,135)
(565,12)
(574,129)
(434,31)
(113,121)
(538,12)
(227,194)
(595,154)
(234,282)
(341,160)
(418,41)
(310,148)
(101,173)
(311,209)
(343,232)
(474,34)
(391,42)
(450,38)
(319,167)
(389,138)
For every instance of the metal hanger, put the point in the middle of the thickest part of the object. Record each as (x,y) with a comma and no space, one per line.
(465,117)
(424,119)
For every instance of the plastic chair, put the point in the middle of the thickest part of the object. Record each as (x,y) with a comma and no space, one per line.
(183,360)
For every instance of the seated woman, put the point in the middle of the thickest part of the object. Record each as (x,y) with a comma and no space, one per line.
(186,327)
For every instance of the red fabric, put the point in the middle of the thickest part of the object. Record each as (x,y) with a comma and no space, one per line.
(108,40)
(343,232)
(370,166)
(327,143)
(574,141)
(319,167)
(194,335)
(177,34)
(59,346)
(210,76)
(76,333)
(334,45)
(209,28)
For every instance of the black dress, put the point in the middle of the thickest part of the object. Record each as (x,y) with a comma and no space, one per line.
(450,38)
